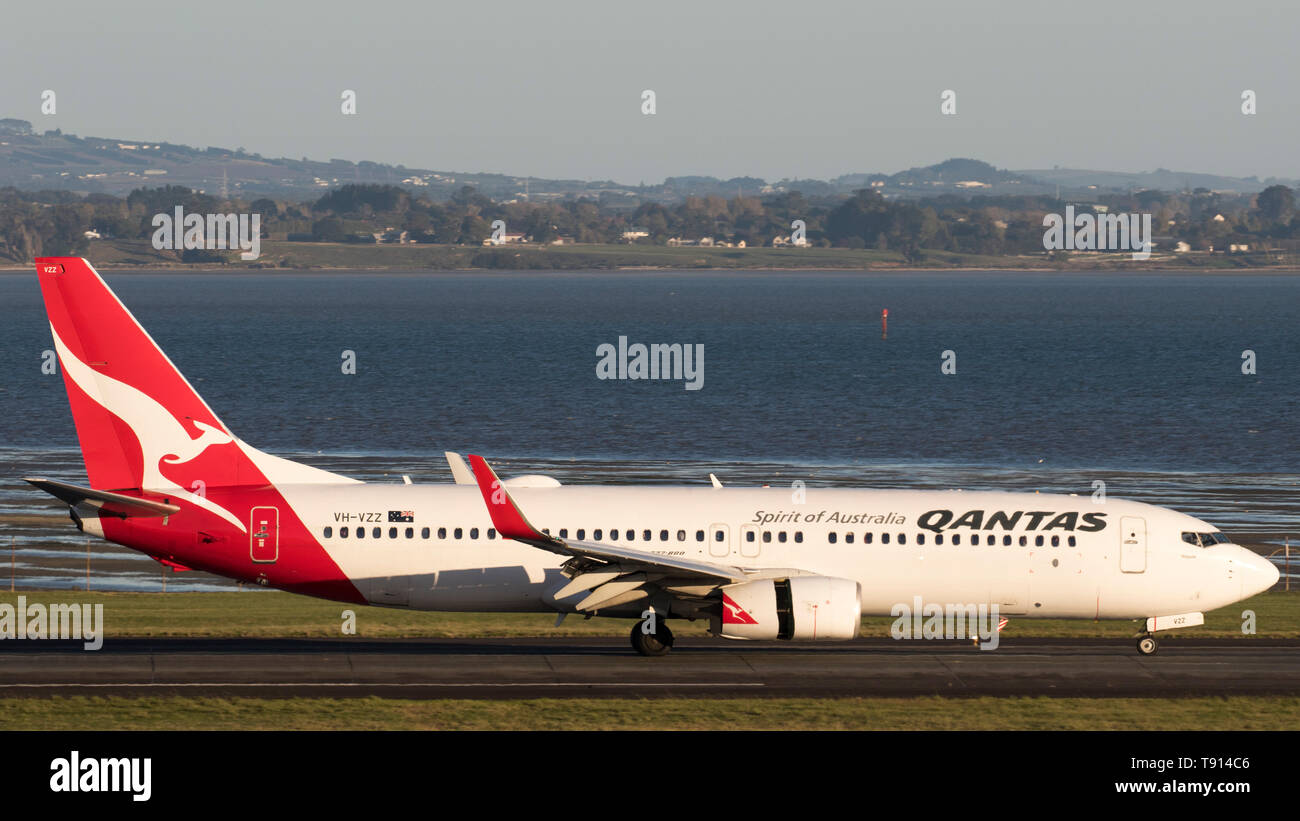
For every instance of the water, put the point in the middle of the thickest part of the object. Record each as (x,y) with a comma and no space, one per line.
(1061,380)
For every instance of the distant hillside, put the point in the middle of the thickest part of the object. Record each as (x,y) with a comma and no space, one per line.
(58,161)
(1161,179)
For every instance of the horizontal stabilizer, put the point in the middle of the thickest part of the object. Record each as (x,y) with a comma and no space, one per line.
(113,504)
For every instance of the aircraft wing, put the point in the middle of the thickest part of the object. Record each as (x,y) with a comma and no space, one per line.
(614,574)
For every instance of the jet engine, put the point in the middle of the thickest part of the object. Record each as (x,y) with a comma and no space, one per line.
(800,608)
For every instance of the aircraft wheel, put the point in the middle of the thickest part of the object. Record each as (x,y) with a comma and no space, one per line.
(1147,645)
(652,644)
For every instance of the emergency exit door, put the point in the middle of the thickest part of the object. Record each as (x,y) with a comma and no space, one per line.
(264,534)
(1133,544)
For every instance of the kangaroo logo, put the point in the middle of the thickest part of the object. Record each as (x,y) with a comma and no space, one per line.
(162,438)
(733,613)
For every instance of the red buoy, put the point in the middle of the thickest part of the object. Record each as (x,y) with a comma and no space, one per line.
(884,323)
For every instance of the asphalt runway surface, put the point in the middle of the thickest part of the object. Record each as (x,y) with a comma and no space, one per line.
(607,667)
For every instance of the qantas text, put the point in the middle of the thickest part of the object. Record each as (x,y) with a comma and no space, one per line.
(938,520)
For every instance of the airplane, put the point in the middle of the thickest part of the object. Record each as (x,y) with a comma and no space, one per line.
(169,479)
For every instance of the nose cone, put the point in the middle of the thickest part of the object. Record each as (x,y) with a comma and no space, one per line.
(1257,573)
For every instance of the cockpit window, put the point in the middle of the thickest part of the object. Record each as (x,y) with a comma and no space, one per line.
(1205,539)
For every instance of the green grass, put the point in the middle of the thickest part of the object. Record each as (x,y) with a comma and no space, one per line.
(924,713)
(273,614)
(308,255)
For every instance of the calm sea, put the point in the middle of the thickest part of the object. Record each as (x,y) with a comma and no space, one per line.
(1060,379)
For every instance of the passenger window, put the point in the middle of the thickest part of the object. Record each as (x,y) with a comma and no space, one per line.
(920,538)
(830,537)
(442,533)
(410,533)
(631,535)
(956,538)
(866,538)
(376,531)
(582,534)
(938,538)
(1038,541)
(492,533)
(343,532)
(361,533)
(329,532)
(848,538)
(663,535)
(457,533)
(473,533)
(595,534)
(1071,541)
(681,535)
(798,535)
(749,536)
(1024,540)
(1056,541)
(902,538)
(392,533)
(564,533)
(767,535)
(699,535)
(780,537)
(1006,540)
(717,535)
(884,538)
(646,535)
(424,533)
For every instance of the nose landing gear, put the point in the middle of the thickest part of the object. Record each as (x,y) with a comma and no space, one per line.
(1147,644)
(655,643)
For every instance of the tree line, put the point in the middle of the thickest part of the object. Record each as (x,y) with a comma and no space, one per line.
(56,223)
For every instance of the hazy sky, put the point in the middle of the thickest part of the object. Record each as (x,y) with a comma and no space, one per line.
(788,89)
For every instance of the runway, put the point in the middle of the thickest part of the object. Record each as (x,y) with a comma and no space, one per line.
(600,667)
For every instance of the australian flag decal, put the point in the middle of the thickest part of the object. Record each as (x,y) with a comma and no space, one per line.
(401,515)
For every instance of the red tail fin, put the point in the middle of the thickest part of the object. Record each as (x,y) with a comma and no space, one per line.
(141,424)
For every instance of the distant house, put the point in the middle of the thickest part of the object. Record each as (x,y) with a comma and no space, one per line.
(563,241)
(506,239)
(391,236)
(634,234)
(1182,248)
(1239,249)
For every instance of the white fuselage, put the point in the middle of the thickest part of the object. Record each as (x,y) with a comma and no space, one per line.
(1051,561)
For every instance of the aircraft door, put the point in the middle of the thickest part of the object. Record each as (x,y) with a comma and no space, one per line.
(264,534)
(719,540)
(1133,544)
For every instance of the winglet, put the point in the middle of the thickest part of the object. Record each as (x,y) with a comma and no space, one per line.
(460,471)
(509,521)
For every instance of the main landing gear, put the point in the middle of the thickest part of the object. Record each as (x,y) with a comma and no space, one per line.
(1147,644)
(656,643)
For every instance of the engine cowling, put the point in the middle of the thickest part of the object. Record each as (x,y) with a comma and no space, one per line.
(801,608)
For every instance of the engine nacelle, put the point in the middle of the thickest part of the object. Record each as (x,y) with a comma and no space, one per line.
(801,608)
